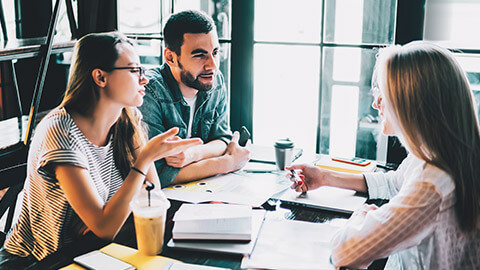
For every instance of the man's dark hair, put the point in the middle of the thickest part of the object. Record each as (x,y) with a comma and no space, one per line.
(189,21)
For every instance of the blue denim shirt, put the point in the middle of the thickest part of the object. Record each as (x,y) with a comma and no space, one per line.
(164,107)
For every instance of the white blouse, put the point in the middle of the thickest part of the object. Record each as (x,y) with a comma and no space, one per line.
(417,229)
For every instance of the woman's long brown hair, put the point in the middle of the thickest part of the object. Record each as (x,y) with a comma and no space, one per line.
(100,51)
(431,98)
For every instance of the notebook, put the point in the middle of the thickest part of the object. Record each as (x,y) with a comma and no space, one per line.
(143,262)
(225,247)
(213,222)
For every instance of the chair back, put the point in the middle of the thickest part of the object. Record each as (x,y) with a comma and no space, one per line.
(13,158)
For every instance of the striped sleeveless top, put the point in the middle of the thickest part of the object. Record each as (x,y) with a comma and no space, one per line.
(47,221)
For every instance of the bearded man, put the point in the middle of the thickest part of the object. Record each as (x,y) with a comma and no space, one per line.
(188,91)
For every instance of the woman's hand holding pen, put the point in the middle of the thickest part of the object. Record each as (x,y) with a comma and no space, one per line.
(311,177)
(298,182)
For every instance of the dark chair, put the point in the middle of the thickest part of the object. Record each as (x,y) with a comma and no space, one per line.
(13,158)
(12,178)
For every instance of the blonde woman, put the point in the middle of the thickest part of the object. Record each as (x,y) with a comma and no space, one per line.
(89,157)
(432,218)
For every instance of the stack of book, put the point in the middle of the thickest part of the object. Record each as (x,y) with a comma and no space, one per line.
(213,222)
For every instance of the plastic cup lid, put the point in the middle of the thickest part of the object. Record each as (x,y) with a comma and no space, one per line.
(158,200)
(284,143)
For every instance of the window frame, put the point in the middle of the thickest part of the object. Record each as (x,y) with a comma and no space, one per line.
(409,26)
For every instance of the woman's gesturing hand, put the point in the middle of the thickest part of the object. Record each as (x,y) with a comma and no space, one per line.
(166,144)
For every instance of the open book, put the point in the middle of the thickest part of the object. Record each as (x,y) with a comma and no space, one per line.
(213,222)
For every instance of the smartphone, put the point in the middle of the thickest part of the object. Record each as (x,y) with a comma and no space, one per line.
(354,161)
(97,260)
(244,136)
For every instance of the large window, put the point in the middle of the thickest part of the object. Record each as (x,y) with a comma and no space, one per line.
(63,27)
(313,61)
(312,74)
(453,24)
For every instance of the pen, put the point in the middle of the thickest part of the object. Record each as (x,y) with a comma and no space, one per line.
(296,178)
(257,171)
(387,166)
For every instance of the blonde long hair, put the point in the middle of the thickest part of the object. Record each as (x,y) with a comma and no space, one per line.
(99,51)
(430,97)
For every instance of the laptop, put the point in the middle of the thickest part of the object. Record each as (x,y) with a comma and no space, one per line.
(324,198)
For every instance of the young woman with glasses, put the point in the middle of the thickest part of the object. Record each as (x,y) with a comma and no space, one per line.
(89,156)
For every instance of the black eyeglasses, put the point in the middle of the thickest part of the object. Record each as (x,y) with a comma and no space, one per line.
(140,70)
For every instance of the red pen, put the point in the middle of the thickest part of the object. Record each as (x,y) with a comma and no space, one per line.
(296,177)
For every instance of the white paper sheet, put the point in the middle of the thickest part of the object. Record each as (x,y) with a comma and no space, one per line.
(289,244)
(258,167)
(240,188)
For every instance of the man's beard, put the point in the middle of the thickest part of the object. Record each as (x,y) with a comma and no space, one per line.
(192,82)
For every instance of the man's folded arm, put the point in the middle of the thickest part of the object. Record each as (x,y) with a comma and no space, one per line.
(204,168)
